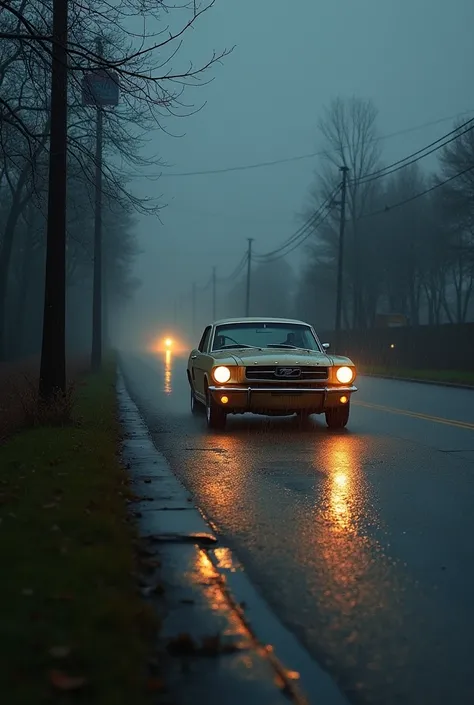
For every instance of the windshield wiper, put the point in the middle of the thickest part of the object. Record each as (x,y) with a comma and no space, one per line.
(290,347)
(282,345)
(235,345)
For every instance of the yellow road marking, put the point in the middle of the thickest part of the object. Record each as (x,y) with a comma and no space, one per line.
(416,415)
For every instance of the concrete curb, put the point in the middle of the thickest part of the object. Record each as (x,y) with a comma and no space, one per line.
(207,596)
(433,382)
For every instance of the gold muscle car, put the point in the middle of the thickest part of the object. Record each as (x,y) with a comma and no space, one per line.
(269,366)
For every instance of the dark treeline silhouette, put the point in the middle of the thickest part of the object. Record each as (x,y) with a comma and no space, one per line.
(409,236)
(409,232)
(101,37)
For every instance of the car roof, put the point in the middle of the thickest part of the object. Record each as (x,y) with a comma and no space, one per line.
(258,319)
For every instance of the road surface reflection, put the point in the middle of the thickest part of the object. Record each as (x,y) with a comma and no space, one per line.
(168,371)
(347,586)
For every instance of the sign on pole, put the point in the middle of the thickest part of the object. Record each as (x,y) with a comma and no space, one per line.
(100,88)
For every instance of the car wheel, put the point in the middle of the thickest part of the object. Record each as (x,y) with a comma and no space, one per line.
(215,415)
(338,417)
(195,405)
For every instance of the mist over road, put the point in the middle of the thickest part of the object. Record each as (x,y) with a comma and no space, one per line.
(361,540)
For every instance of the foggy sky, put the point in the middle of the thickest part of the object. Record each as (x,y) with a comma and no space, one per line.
(414,58)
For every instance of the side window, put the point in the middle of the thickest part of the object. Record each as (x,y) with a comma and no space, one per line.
(205,340)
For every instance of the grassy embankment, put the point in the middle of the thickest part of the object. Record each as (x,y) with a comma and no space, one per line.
(442,376)
(72,618)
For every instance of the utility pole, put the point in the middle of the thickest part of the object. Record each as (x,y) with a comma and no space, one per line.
(194,309)
(340,260)
(213,293)
(249,270)
(96,359)
(53,349)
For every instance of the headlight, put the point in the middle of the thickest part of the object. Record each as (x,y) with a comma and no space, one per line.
(221,374)
(344,375)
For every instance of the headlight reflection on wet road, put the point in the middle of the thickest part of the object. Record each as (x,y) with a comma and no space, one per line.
(359,540)
(168,371)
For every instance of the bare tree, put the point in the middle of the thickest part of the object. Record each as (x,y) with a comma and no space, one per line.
(456,200)
(139,52)
(350,132)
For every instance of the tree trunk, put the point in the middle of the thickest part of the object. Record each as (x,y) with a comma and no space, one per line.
(53,350)
(5,259)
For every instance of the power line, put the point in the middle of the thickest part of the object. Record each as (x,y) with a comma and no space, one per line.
(417,195)
(300,157)
(303,240)
(237,271)
(206,287)
(402,163)
(303,232)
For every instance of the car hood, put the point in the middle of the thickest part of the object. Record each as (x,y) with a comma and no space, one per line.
(280,357)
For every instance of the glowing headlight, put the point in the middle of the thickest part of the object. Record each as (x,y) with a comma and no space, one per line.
(344,375)
(221,374)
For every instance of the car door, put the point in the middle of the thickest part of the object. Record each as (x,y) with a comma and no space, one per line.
(199,361)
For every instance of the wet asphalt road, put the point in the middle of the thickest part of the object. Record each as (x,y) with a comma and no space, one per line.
(361,540)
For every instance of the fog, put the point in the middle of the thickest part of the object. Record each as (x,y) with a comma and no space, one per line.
(263,102)
(410,58)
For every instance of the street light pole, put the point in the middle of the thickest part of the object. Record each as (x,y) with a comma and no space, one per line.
(340,260)
(53,349)
(249,270)
(213,293)
(97,290)
(194,308)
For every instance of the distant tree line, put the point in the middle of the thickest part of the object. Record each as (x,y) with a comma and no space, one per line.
(406,253)
(409,236)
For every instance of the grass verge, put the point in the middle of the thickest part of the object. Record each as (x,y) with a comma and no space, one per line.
(72,616)
(443,376)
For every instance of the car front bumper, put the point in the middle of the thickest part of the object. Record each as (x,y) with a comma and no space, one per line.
(271,398)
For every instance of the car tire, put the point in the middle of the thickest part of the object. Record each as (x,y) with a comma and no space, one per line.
(338,417)
(215,415)
(196,407)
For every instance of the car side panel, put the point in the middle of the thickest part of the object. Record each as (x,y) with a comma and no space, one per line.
(202,366)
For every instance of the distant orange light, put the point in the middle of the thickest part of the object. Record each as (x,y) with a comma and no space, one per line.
(224,400)
(343,400)
(167,342)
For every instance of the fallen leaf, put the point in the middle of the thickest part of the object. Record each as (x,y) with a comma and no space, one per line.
(62,596)
(62,681)
(155,685)
(60,651)
(211,644)
(182,644)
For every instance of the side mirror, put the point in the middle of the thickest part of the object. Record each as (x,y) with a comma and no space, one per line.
(326,346)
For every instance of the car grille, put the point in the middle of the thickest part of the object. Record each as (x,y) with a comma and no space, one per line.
(299,374)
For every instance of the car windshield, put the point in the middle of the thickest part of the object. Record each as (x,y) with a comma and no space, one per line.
(264,335)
